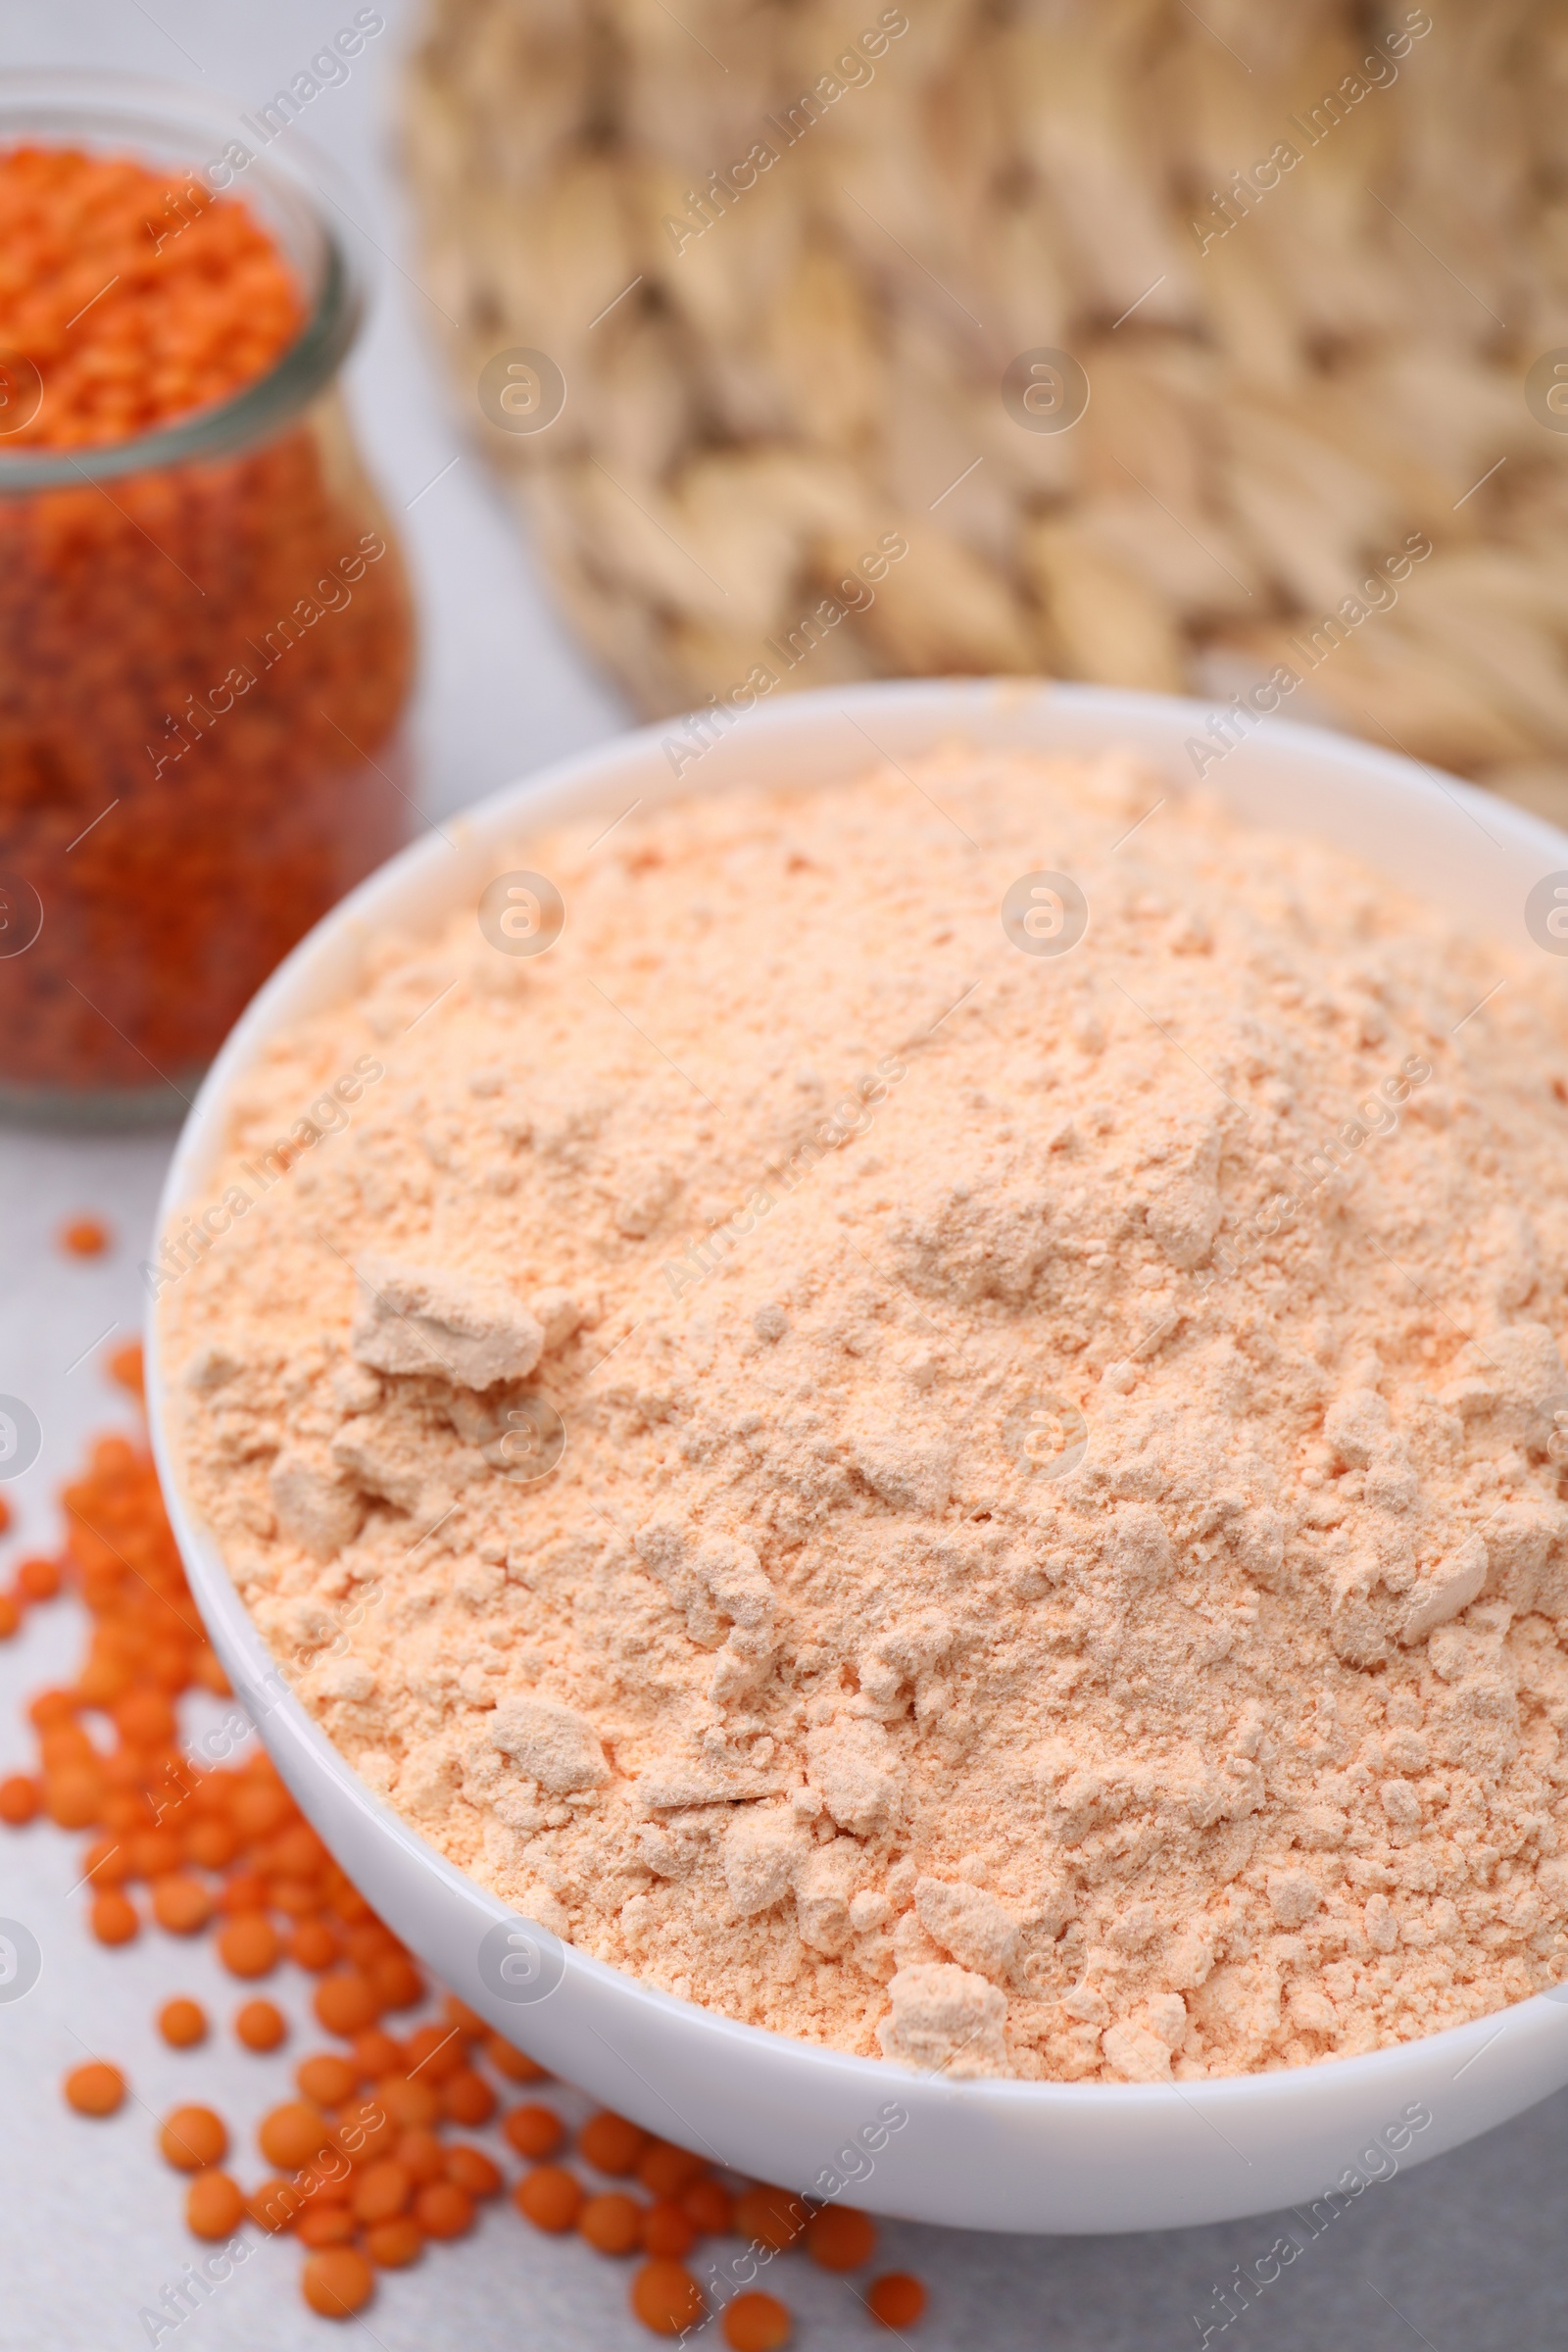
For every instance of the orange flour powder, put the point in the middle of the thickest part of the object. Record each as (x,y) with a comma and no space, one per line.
(1057,1566)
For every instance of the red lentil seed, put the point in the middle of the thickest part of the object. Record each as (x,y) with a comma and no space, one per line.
(896,2300)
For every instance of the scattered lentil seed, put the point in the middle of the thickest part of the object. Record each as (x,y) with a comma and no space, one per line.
(313,1946)
(326,2177)
(382,2190)
(107,1862)
(839,2238)
(244,1895)
(550,2197)
(181,1904)
(326,2079)
(613,2224)
(38,1579)
(182,2023)
(757,2323)
(113,1917)
(435,2052)
(665,2169)
(424,2158)
(771,2215)
(84,1236)
(896,2300)
(326,2225)
(395,1983)
(611,2144)
(471,2170)
(192,2137)
(466,2097)
(73,1796)
(366,2131)
(215,2205)
(666,2298)
(710,2206)
(261,1806)
(211,1844)
(154,1853)
(346,2002)
(249,1946)
(393,2245)
(668,2230)
(443,2209)
(375,2053)
(409,2101)
(275,2206)
(291,2135)
(534,2130)
(337,2282)
(96,2088)
(260,2025)
(19,1799)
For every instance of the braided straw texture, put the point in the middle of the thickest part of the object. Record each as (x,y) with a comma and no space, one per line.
(1296,367)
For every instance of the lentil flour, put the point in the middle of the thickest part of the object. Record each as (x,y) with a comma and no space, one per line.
(1057,1566)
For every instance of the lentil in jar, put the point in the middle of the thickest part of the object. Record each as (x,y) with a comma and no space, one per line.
(203,659)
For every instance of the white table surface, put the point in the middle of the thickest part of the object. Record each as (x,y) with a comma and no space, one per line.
(1465,2252)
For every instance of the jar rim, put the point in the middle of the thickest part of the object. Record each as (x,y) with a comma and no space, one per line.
(132,113)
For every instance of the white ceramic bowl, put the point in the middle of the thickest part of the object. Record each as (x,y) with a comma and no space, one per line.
(1026,2156)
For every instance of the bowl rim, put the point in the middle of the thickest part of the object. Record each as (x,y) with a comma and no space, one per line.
(503,818)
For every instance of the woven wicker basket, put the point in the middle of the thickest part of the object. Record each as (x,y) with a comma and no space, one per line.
(823,287)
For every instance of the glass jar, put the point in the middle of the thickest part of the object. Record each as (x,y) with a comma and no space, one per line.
(206,655)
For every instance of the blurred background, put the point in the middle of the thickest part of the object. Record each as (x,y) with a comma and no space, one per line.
(1153,331)
(1138,344)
